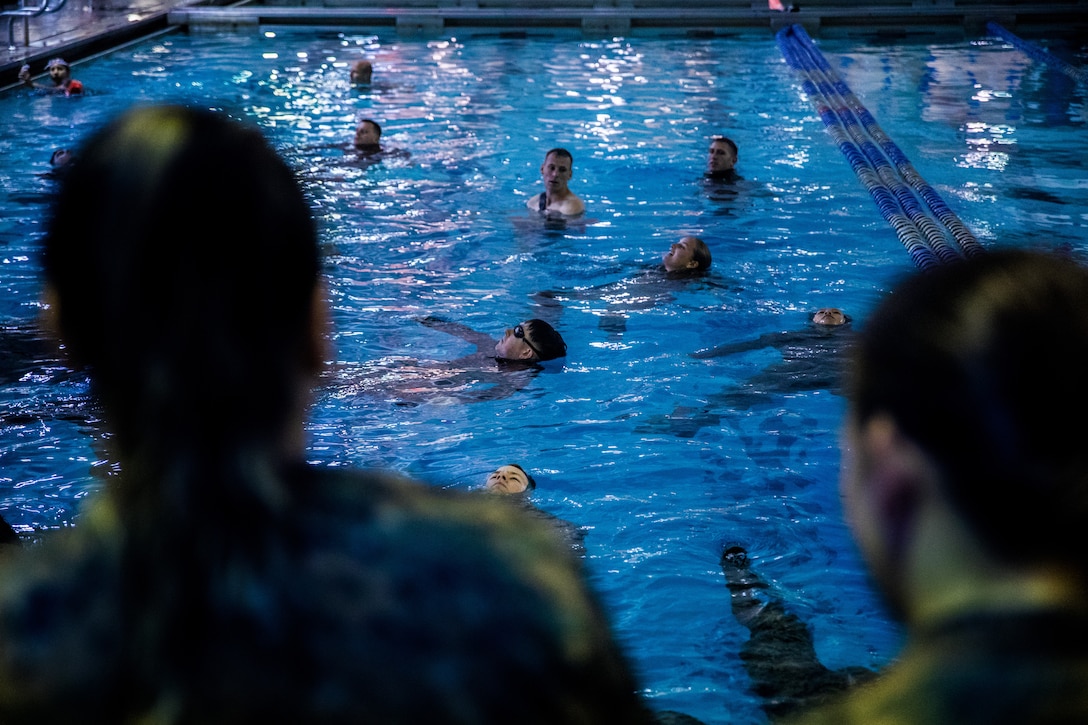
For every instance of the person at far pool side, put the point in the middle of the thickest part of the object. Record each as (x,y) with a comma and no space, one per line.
(61,75)
(557,198)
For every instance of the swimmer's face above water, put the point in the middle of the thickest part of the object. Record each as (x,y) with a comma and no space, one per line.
(720,157)
(517,344)
(556,171)
(681,255)
(367,135)
(59,73)
(829,316)
(508,479)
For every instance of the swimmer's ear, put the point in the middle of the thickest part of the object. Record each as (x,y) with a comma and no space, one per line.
(320,344)
(899,477)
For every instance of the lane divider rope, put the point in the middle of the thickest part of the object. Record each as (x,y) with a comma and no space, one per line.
(1036,52)
(892,181)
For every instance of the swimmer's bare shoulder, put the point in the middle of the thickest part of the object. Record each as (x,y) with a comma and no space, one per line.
(569,206)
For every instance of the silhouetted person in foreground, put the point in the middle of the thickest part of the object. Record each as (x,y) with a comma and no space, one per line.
(8,537)
(219,578)
(966,488)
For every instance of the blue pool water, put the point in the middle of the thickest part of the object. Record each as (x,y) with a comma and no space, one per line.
(626,436)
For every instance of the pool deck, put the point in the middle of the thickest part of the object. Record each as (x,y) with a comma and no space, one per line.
(78,29)
(38,30)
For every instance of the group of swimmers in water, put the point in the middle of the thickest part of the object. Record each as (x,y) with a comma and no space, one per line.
(219,577)
(535,340)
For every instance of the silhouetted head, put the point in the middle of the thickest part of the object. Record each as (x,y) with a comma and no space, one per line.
(184,264)
(361,71)
(974,361)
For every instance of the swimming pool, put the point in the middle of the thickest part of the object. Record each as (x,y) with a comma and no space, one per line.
(621,436)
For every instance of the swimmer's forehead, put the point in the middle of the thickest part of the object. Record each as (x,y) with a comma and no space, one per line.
(830,316)
(558,158)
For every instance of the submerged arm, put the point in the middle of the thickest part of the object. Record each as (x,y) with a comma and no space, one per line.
(466,333)
(771,339)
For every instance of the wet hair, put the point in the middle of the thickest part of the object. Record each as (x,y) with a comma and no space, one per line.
(975,361)
(700,254)
(559,151)
(727,141)
(185,262)
(530,484)
(547,341)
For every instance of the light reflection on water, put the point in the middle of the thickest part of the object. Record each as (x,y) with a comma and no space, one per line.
(622,435)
